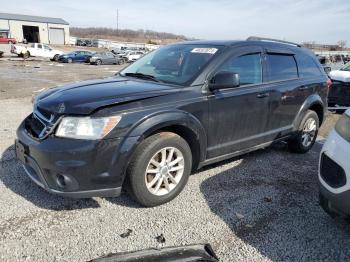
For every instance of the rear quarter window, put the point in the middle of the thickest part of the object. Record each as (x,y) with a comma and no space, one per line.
(281,67)
(307,66)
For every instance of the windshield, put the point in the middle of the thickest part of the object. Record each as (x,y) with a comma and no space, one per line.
(176,64)
(346,67)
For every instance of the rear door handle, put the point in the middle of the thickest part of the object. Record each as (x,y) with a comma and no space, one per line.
(303,87)
(262,95)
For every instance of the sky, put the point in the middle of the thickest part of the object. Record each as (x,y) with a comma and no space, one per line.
(323,21)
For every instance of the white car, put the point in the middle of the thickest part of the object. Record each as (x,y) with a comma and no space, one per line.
(36,49)
(134,55)
(339,94)
(343,74)
(334,169)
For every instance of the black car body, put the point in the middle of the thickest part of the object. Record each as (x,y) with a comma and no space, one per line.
(217,115)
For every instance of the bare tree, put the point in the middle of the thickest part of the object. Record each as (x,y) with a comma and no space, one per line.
(342,43)
(126,34)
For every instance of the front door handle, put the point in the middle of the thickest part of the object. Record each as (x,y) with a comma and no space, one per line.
(262,95)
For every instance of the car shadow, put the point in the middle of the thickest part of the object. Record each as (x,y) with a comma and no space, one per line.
(270,201)
(14,178)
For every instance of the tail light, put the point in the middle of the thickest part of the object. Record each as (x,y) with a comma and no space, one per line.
(329,84)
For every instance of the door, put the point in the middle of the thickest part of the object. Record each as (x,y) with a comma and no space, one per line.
(56,36)
(31,34)
(36,50)
(110,58)
(79,56)
(284,86)
(47,51)
(238,116)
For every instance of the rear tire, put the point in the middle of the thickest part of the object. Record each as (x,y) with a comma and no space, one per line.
(26,55)
(306,134)
(159,169)
(10,42)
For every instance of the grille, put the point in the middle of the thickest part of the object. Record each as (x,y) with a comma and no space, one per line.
(332,173)
(40,123)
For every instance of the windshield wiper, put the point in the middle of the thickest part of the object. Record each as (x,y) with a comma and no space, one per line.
(142,76)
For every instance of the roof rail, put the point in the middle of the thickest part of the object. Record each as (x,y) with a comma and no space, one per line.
(257,38)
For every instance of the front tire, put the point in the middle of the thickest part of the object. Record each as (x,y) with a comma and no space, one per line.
(98,62)
(159,169)
(306,135)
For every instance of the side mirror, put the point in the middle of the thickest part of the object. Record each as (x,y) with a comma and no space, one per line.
(224,80)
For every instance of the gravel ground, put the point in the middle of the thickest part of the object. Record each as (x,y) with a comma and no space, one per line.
(262,206)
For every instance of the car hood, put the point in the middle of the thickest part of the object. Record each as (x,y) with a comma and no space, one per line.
(85,97)
(340,75)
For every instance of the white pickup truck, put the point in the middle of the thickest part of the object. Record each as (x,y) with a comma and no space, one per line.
(36,49)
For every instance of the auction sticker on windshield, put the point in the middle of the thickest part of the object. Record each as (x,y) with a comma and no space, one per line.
(204,50)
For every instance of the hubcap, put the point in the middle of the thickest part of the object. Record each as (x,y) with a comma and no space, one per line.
(164,171)
(309,132)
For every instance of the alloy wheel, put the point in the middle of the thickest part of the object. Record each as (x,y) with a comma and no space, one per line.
(309,132)
(164,171)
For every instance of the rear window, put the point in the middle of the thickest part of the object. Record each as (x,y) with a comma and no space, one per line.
(307,67)
(281,67)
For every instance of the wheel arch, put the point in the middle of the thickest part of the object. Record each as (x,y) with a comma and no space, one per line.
(179,122)
(314,103)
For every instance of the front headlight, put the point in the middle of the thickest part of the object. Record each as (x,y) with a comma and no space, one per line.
(343,127)
(86,127)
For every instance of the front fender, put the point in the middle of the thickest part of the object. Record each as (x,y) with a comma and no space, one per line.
(151,124)
(311,101)
(163,119)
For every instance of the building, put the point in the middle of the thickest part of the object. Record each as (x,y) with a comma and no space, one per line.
(34,29)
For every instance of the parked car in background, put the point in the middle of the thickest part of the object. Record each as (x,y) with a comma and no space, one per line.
(134,55)
(174,110)
(106,58)
(76,56)
(36,49)
(80,42)
(6,40)
(334,169)
(339,94)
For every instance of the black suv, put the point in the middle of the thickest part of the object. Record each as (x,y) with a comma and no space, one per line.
(171,112)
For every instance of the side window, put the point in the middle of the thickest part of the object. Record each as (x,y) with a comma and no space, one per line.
(247,66)
(39,46)
(307,67)
(281,67)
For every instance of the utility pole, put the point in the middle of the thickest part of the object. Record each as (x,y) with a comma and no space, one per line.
(117,21)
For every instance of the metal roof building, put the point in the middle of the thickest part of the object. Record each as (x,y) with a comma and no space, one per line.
(34,29)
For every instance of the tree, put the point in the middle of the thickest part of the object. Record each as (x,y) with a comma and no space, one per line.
(342,43)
